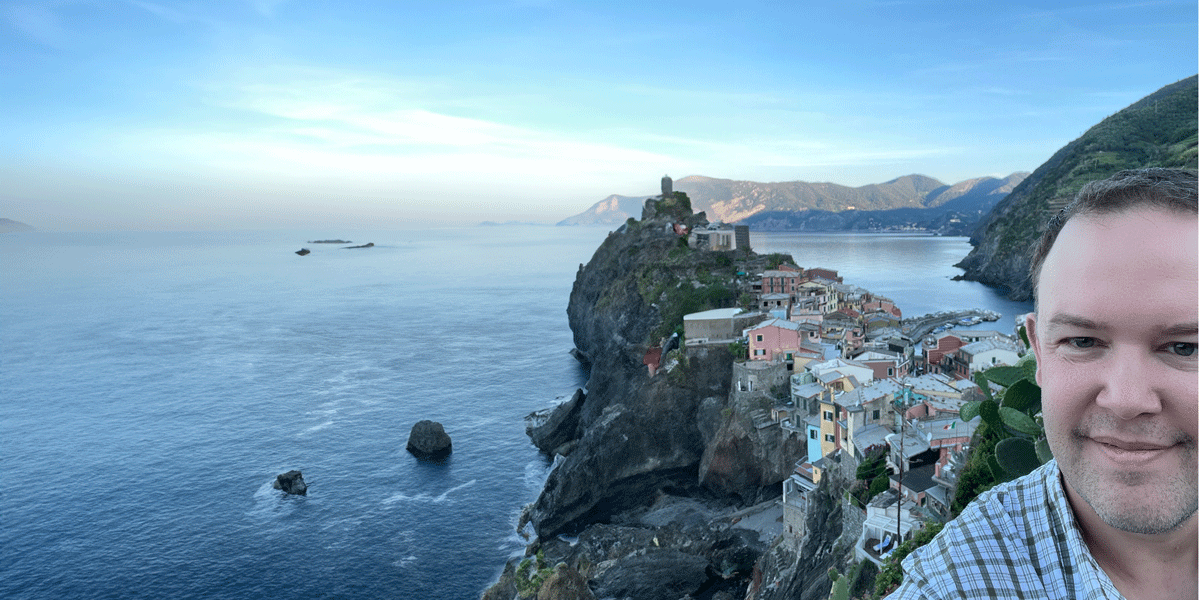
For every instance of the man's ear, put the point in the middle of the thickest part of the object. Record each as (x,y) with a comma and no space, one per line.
(1032,332)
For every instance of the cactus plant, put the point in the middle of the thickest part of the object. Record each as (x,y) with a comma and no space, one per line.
(1014,417)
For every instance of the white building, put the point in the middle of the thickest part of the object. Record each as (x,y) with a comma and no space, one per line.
(880,527)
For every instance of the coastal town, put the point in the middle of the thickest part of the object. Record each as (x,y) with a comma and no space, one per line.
(750,427)
(838,367)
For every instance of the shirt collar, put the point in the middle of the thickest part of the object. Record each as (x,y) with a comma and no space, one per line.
(1096,582)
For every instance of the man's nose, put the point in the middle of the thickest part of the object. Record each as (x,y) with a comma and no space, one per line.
(1129,385)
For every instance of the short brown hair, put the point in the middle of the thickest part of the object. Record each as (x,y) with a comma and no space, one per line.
(1172,190)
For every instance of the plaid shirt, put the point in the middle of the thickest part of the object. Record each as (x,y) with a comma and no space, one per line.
(1017,540)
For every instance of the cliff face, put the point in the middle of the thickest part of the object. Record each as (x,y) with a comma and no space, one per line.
(656,472)
(632,436)
(639,439)
(1157,131)
(801,571)
(741,459)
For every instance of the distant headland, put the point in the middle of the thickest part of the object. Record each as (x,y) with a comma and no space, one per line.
(10,226)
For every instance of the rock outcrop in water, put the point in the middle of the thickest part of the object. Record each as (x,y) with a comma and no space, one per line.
(291,482)
(428,439)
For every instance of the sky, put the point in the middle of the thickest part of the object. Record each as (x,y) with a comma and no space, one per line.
(275,114)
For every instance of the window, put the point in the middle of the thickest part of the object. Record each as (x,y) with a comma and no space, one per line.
(829,437)
(758,338)
(760,352)
(828,415)
(875,415)
(891,372)
(812,434)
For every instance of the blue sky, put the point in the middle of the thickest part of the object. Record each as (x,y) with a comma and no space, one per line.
(145,114)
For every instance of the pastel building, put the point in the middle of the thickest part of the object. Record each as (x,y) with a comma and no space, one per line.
(778,281)
(977,356)
(720,325)
(884,364)
(781,340)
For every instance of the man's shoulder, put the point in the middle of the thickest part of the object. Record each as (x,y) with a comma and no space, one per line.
(1022,500)
(1003,541)
(1018,510)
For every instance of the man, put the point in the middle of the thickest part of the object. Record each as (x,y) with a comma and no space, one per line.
(1114,331)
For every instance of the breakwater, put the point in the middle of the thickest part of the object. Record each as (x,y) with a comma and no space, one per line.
(919,327)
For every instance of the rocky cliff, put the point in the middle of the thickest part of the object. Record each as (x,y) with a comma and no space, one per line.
(800,571)
(1157,131)
(631,436)
(651,469)
(743,456)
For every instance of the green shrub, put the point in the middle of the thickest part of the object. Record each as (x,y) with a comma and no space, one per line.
(878,485)
(531,574)
(1012,438)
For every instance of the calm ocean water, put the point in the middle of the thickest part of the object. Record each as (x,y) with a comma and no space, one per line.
(155,383)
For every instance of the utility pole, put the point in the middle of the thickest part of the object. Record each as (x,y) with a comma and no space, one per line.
(900,462)
(900,485)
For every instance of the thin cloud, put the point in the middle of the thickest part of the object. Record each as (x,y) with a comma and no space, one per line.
(38,24)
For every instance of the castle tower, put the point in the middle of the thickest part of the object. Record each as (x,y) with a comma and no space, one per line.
(666,186)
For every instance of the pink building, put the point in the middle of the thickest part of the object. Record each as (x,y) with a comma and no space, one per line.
(884,364)
(781,281)
(775,339)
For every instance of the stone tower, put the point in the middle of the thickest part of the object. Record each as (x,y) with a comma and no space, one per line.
(666,186)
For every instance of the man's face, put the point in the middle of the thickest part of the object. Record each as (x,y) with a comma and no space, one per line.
(1115,338)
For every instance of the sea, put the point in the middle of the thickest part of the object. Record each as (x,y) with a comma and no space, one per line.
(153,384)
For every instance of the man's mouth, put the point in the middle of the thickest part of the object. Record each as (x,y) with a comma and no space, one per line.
(1130,452)
(1130,445)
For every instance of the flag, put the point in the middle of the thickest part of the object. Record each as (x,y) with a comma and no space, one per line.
(950,426)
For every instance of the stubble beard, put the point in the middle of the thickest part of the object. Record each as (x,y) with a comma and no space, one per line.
(1119,498)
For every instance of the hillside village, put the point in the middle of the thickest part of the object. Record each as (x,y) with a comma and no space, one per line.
(813,426)
(829,363)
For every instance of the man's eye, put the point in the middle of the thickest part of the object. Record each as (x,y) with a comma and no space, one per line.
(1081,342)
(1182,348)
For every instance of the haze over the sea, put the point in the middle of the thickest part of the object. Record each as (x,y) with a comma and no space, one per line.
(247,114)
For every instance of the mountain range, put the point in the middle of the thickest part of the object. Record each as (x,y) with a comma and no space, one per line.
(906,201)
